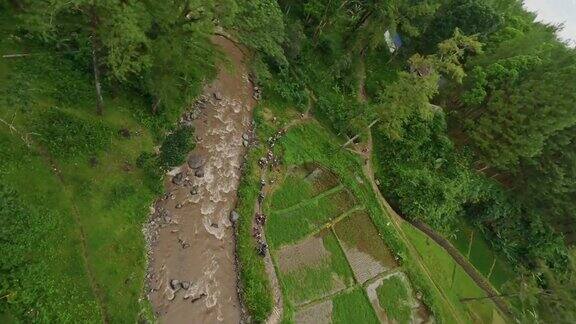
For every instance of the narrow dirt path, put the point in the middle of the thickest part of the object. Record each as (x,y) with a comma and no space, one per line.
(192,276)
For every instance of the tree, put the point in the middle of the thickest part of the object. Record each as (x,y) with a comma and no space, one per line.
(407,98)
(181,53)
(410,95)
(261,26)
(517,120)
(449,57)
(112,32)
(375,17)
(549,182)
(471,17)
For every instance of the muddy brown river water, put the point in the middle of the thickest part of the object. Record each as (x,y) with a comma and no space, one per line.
(192,273)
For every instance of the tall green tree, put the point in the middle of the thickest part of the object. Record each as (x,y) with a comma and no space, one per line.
(517,120)
(108,35)
(472,17)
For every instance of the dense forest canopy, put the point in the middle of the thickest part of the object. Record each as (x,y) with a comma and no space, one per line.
(474,114)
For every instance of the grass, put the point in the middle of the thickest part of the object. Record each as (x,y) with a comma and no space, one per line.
(294,189)
(352,307)
(474,246)
(451,277)
(45,244)
(92,210)
(256,291)
(393,298)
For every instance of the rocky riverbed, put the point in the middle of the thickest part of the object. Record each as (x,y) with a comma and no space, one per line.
(192,275)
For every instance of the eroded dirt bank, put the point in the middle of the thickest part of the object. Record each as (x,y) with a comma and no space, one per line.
(192,277)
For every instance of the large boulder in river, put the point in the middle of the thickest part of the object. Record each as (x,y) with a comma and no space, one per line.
(195,161)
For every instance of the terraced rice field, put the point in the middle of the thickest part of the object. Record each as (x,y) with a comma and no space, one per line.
(368,256)
(455,281)
(329,256)
(474,246)
(313,268)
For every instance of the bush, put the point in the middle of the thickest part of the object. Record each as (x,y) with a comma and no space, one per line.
(176,146)
(66,135)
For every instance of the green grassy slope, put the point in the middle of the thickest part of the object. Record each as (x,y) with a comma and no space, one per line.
(79,252)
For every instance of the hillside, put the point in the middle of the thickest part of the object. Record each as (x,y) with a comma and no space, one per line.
(285,161)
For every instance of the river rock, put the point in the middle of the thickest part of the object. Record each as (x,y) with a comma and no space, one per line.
(185,284)
(178,179)
(170,294)
(234,216)
(194,190)
(218,95)
(175,284)
(195,161)
(199,173)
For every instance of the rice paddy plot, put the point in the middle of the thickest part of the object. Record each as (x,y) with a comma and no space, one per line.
(352,307)
(394,301)
(302,183)
(364,248)
(319,177)
(312,268)
(476,248)
(289,225)
(319,313)
(454,280)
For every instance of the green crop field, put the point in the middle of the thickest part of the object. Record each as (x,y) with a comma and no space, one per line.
(451,277)
(473,245)
(353,307)
(315,281)
(393,297)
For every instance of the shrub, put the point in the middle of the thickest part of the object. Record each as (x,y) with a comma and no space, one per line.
(176,146)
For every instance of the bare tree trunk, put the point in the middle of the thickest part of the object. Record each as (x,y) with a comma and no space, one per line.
(358,135)
(95,62)
(155,106)
(98,87)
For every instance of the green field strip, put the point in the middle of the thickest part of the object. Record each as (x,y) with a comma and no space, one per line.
(328,192)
